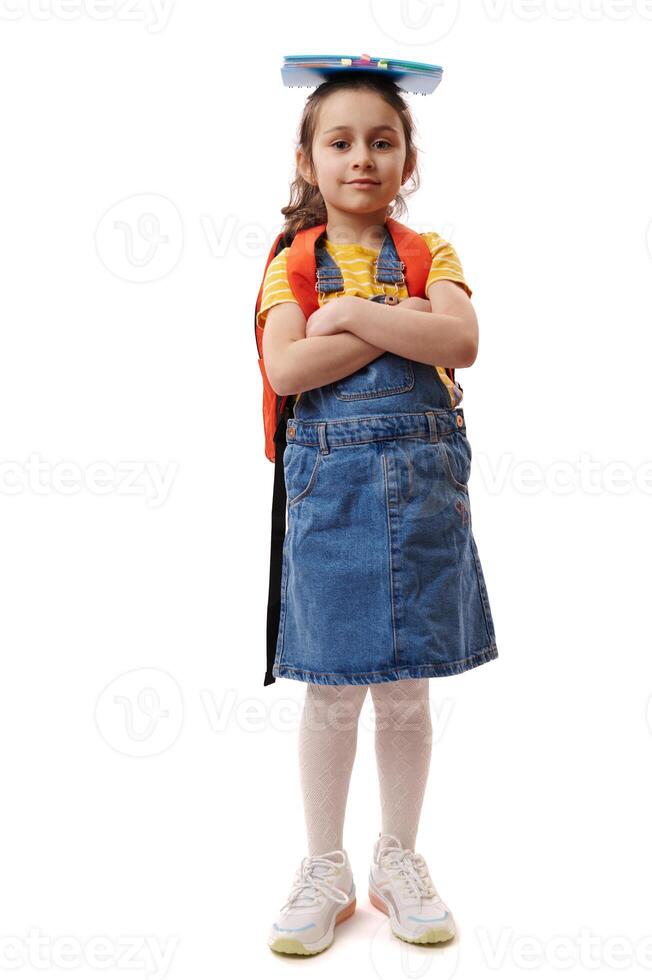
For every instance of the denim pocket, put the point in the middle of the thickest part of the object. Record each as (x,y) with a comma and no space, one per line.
(389,374)
(456,455)
(301,465)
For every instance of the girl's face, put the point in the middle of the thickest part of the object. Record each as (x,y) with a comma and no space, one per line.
(358,135)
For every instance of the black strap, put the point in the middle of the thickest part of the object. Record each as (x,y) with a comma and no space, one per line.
(279,502)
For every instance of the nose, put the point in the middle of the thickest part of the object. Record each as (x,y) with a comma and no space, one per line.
(362,157)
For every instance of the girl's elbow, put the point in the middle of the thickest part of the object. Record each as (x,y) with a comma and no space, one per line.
(280,382)
(279,385)
(276,369)
(468,354)
(279,366)
(469,350)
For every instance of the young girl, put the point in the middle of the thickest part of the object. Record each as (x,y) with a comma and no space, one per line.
(382,585)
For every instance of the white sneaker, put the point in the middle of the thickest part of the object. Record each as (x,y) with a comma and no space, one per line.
(322,895)
(401,887)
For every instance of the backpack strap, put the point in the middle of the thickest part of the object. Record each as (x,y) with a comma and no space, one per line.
(415,255)
(277,246)
(302,268)
(273,405)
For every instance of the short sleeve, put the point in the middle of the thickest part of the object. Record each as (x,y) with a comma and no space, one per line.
(276,288)
(445,262)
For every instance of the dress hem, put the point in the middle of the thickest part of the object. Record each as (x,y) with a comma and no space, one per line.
(390,674)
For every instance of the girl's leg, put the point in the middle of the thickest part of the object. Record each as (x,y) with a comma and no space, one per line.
(403,741)
(328,736)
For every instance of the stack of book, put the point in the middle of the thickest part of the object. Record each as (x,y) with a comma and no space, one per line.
(304,70)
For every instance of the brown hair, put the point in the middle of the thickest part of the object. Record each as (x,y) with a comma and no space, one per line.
(307,207)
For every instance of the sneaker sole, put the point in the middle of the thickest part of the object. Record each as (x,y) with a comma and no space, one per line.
(297,948)
(436,934)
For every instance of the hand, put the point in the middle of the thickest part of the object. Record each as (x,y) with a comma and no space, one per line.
(329,318)
(416,303)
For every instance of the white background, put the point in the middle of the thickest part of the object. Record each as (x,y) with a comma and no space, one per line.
(150,781)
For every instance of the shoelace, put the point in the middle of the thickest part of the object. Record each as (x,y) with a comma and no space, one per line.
(412,868)
(310,881)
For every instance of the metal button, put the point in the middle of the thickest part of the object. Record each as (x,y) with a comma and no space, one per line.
(459,420)
(291,431)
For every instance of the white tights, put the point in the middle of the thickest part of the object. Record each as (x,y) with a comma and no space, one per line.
(328,735)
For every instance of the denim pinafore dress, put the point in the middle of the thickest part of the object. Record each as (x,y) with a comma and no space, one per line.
(381,578)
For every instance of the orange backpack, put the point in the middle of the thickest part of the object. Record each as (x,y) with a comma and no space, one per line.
(302,276)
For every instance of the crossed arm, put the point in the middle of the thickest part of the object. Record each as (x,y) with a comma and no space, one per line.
(349,332)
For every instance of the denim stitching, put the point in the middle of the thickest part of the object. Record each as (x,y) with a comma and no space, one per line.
(481,587)
(390,674)
(392,415)
(391,552)
(463,487)
(423,436)
(377,392)
(311,482)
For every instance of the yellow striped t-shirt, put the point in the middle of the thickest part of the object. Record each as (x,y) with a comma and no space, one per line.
(356,265)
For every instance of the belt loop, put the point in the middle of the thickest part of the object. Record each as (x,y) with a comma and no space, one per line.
(432,427)
(323,444)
